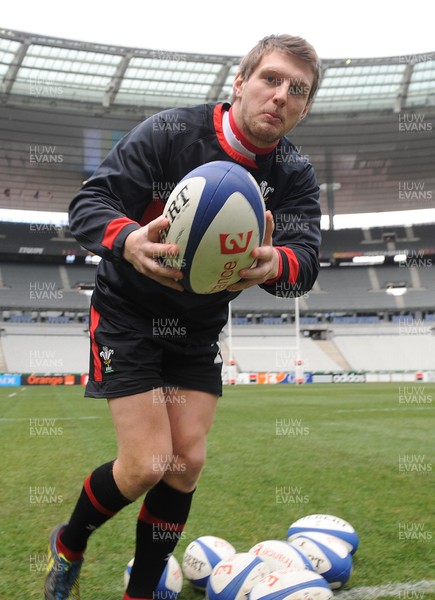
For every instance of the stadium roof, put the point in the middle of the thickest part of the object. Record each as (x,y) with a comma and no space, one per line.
(369,133)
(113,76)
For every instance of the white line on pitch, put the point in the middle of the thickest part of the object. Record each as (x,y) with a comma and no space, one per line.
(53,418)
(414,590)
(342,410)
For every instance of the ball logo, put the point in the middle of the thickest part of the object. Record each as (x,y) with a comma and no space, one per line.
(225,276)
(224,569)
(234,243)
(173,209)
(270,580)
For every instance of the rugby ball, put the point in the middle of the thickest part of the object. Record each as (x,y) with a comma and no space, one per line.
(170,583)
(288,584)
(279,554)
(201,555)
(216,217)
(326,524)
(234,578)
(328,555)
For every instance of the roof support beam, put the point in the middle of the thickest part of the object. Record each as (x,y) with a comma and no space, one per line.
(403,89)
(14,67)
(115,82)
(217,86)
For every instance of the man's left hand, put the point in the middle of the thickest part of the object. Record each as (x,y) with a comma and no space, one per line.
(266,263)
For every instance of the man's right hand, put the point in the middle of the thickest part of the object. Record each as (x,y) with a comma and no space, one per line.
(143,249)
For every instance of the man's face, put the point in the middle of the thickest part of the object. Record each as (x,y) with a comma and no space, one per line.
(274,98)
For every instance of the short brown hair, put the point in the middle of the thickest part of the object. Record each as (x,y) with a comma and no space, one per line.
(288,44)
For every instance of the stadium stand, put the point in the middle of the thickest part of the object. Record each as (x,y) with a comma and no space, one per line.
(352,290)
(42,349)
(39,287)
(39,240)
(262,348)
(418,238)
(399,347)
(394,352)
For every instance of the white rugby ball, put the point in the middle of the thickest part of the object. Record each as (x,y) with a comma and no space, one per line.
(326,524)
(288,584)
(234,578)
(216,217)
(201,555)
(328,555)
(279,554)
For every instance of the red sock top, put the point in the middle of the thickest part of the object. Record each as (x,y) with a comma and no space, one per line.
(68,554)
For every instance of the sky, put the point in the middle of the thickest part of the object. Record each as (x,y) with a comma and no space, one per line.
(336,28)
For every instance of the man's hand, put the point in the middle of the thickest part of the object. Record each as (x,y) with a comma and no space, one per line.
(143,250)
(266,264)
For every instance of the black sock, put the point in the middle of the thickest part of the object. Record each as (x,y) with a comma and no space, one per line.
(161,521)
(99,501)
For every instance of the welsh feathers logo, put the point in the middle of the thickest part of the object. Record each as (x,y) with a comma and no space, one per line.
(266,190)
(234,243)
(106,354)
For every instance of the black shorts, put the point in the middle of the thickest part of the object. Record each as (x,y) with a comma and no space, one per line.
(126,360)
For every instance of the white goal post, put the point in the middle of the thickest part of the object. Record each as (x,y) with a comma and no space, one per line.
(296,349)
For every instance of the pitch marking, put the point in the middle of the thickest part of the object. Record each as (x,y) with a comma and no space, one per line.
(352,410)
(405,591)
(54,418)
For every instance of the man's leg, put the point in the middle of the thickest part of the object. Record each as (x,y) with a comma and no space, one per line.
(167,505)
(142,429)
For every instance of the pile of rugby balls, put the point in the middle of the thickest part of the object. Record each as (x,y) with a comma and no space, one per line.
(313,560)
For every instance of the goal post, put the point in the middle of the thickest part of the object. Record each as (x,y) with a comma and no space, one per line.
(298,362)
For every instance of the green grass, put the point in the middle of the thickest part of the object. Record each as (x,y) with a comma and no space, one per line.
(341,457)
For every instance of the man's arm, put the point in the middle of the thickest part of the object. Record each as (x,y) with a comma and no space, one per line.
(288,261)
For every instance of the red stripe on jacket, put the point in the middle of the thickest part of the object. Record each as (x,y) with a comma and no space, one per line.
(113,229)
(293,264)
(95,319)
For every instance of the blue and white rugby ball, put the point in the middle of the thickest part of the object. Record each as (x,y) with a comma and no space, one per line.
(329,556)
(288,584)
(216,217)
(234,578)
(329,524)
(201,555)
(279,554)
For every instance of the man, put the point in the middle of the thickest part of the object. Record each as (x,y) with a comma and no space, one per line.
(162,390)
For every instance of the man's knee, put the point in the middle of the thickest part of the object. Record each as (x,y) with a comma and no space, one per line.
(137,476)
(185,469)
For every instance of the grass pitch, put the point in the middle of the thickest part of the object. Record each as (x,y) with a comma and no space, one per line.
(363,452)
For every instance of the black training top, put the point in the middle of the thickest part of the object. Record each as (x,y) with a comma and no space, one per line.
(131,186)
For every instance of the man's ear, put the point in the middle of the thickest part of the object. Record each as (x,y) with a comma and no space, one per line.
(237,85)
(305,111)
